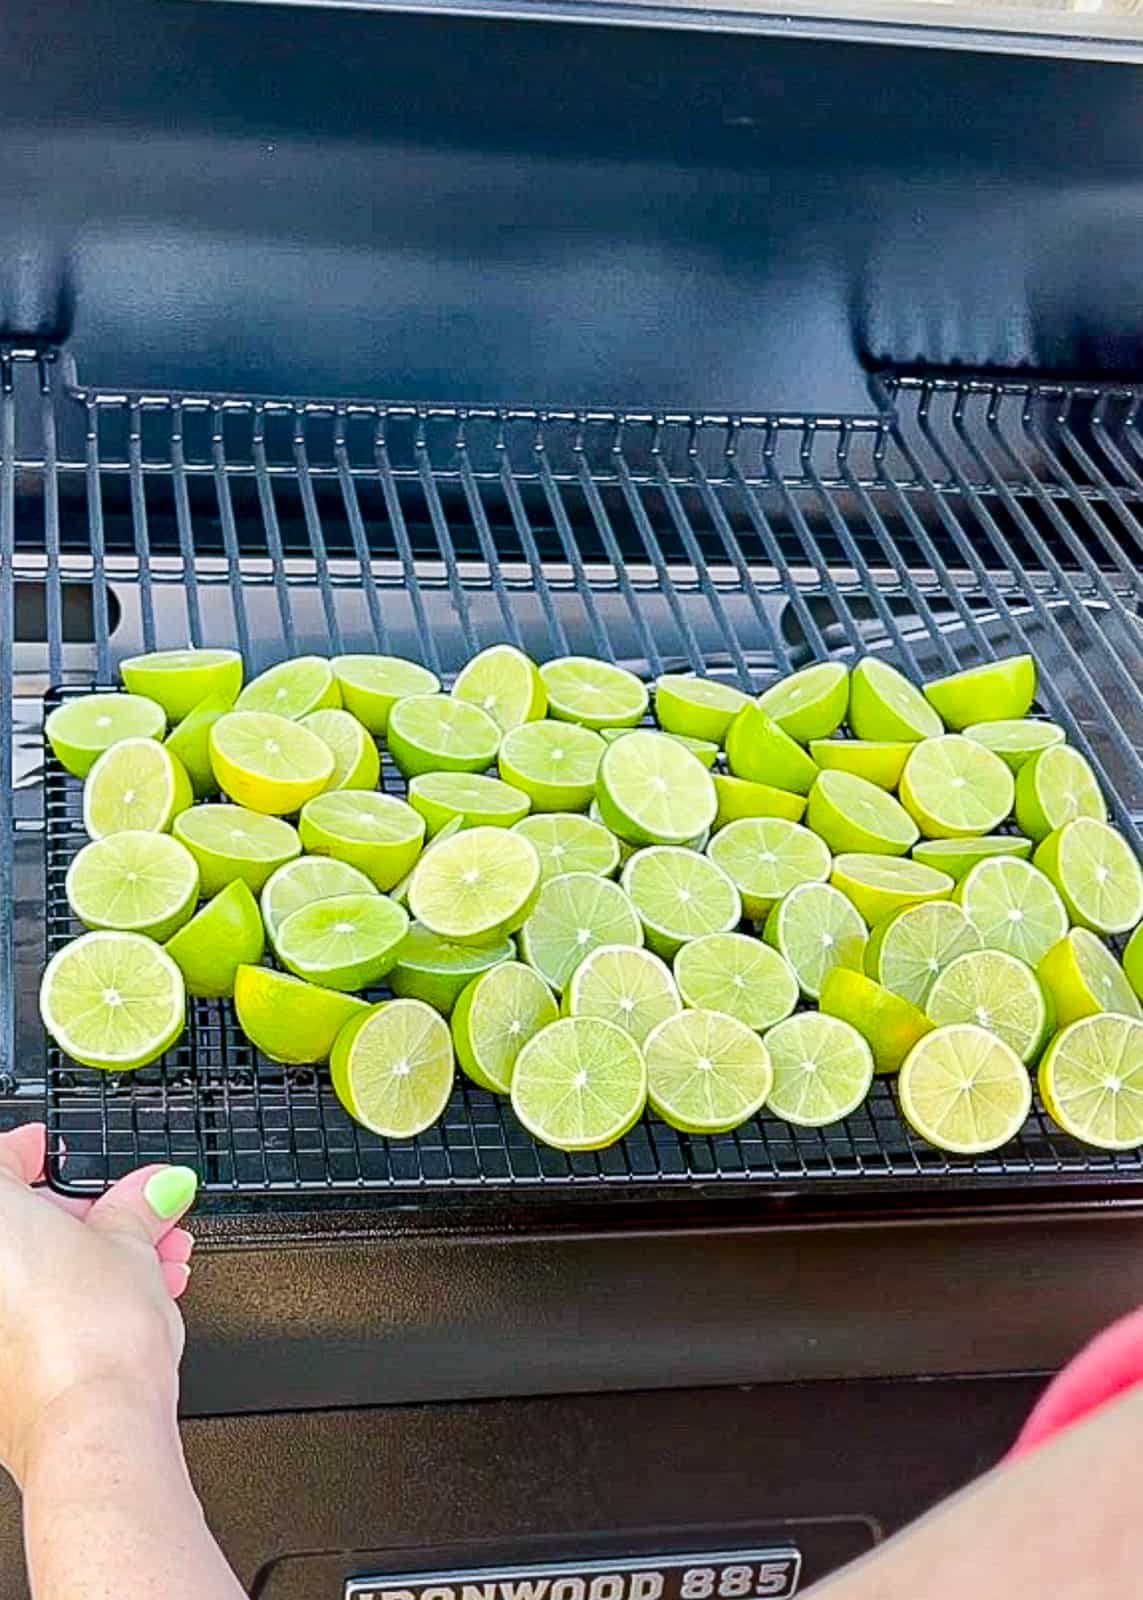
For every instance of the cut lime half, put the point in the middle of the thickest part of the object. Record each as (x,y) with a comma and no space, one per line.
(998,691)
(738,975)
(565,841)
(190,743)
(136,784)
(1133,961)
(810,704)
(356,761)
(268,763)
(595,694)
(1055,787)
(1013,907)
(706,1073)
(698,708)
(679,895)
(476,887)
(377,833)
(851,814)
(651,790)
(134,883)
(957,857)
(998,992)
(909,949)
(554,763)
(438,971)
(392,1069)
(505,683)
(289,1020)
(759,751)
(1083,977)
(292,688)
(625,985)
(1091,1081)
(816,928)
(179,680)
(80,730)
(579,1084)
(739,798)
(889,1025)
(574,915)
(953,787)
(766,857)
(964,1090)
(229,842)
(348,942)
(1096,872)
(881,885)
(435,733)
(702,749)
(1016,740)
(823,1069)
(495,1016)
(884,705)
(371,686)
(478,800)
(223,935)
(300,882)
(879,761)
(114,1001)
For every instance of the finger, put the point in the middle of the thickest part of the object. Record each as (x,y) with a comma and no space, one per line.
(176,1277)
(65,1202)
(146,1204)
(23,1151)
(177,1247)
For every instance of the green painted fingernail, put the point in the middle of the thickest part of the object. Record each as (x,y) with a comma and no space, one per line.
(170,1192)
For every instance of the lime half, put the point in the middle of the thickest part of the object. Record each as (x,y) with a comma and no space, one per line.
(957,857)
(377,833)
(574,915)
(113,1000)
(229,842)
(505,683)
(300,882)
(953,787)
(703,750)
(909,949)
(134,883)
(1091,1081)
(964,1090)
(135,784)
(884,705)
(879,761)
(289,1020)
(80,730)
(593,693)
(1055,787)
(997,691)
(1133,961)
(347,942)
(850,813)
(1016,740)
(889,1025)
(356,762)
(495,1016)
(739,798)
(1013,907)
(651,790)
(371,686)
(998,992)
(479,801)
(738,975)
(881,885)
(225,934)
(438,971)
(706,1073)
(816,928)
(624,985)
(190,743)
(435,733)
(823,1069)
(697,708)
(579,1084)
(292,688)
(1096,872)
(476,887)
(1083,977)
(810,704)
(765,857)
(568,842)
(679,895)
(392,1069)
(180,679)
(555,764)
(759,751)
(268,763)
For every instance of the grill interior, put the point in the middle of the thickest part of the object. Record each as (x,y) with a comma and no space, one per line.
(958,520)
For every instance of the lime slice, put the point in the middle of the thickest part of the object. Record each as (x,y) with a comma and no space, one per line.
(881,885)
(884,705)
(292,688)
(377,833)
(289,1020)
(1082,977)
(227,933)
(568,842)
(706,1073)
(766,857)
(554,763)
(758,750)
(347,942)
(400,891)
(679,895)
(435,733)
(476,887)
(113,1000)
(852,814)
(593,693)
(299,883)
(495,1016)
(438,971)
(1055,787)
(229,842)
(505,683)
(957,857)
(889,1025)
(998,691)
(631,987)
(136,784)
(1017,739)
(80,731)
(964,1090)
(823,1069)
(479,801)
(698,708)
(995,991)
(816,928)
(268,763)
(1097,874)
(739,798)
(810,704)
(371,686)
(356,762)
(190,743)
(1133,961)
(575,914)
(579,1084)
(653,791)
(702,749)
(1091,1081)
(179,680)
(953,788)
(879,761)
(909,949)
(732,973)
(134,883)
(1013,907)
(392,1069)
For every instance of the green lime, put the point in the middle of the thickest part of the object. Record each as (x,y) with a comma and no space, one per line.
(400,891)
(964,1090)
(957,857)
(889,1024)
(653,791)
(593,693)
(995,991)
(134,883)
(1055,787)
(706,1072)
(80,730)
(1097,874)
(568,842)
(879,761)
(392,1069)
(679,895)
(438,971)
(225,934)
(347,942)
(479,801)
(268,763)
(954,788)
(697,708)
(739,798)
(626,851)
(179,680)
(580,1083)
(574,914)
(998,691)
(476,887)
(300,882)
(766,857)
(909,949)
(631,987)
(1083,977)
(554,763)
(885,706)
(823,1069)
(851,814)
(190,743)
(289,1020)
(435,733)
(702,749)
(810,704)
(738,975)
(229,842)
(1013,907)
(356,761)
(371,686)
(136,784)
(377,833)
(113,1000)
(816,928)
(1016,740)
(505,683)
(1091,1081)
(292,688)
(1133,961)
(758,750)
(495,1016)
(881,885)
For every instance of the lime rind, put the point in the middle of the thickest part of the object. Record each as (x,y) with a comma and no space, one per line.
(1001,690)
(80,730)
(224,934)
(371,685)
(437,970)
(889,1025)
(179,680)
(289,1020)
(852,814)
(697,708)
(884,705)
(356,759)
(436,733)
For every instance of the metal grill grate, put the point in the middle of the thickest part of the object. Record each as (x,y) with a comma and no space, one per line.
(960,521)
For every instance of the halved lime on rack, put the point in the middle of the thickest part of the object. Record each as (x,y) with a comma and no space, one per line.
(957,857)
(766,857)
(476,887)
(964,1090)
(1133,961)
(554,763)
(739,798)
(1091,1081)
(884,705)
(810,704)
(135,784)
(356,761)
(300,882)
(292,688)
(998,992)
(393,1070)
(565,841)
(190,743)
(738,975)
(816,928)
(229,843)
(377,833)
(1097,874)
(268,763)
(850,813)
(1083,977)
(223,935)
(179,680)
(908,950)
(438,971)
(758,750)
(880,885)
(347,942)
(596,694)
(631,987)
(435,733)
(400,890)
(478,800)
(706,1073)
(505,683)
(1013,907)
(80,730)
(1055,787)
(823,1069)
(879,761)
(574,915)
(702,749)
(114,1001)
(699,708)
(495,1016)
(1016,740)
(371,686)
(651,790)
(134,883)
(679,895)
(889,1025)
(290,1020)
(998,691)
(953,787)
(579,1084)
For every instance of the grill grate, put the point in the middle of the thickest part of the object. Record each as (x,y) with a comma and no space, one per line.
(961,520)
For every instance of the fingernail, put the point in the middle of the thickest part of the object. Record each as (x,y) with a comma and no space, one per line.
(170,1192)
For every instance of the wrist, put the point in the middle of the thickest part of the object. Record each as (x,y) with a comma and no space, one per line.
(98,1415)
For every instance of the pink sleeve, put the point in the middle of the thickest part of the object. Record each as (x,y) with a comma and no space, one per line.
(1109,1365)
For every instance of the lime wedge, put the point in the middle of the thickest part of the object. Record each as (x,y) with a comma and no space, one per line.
(495,1016)
(909,949)
(879,761)
(292,689)
(80,730)
(758,750)
(766,857)
(568,842)
(957,857)
(289,1020)
(435,733)
(392,1069)
(1083,977)
(706,1072)
(136,784)
(998,691)
(438,971)
(810,704)
(823,1069)
(816,928)
(179,680)
(1133,961)
(995,991)
(580,1083)
(229,842)
(113,1000)
(884,705)
(739,798)
(679,895)
(554,763)
(1016,740)
(631,987)
(371,686)
(347,942)
(190,743)
(505,683)
(356,762)
(300,882)
(852,814)
(954,788)
(1055,787)
(737,975)
(476,887)
(268,763)
(575,914)
(698,708)
(702,749)
(377,833)
(881,885)
(593,693)
(1013,907)
(889,1025)
(134,883)
(653,791)
(225,934)
(1097,874)
(479,801)
(964,1090)
(1091,1081)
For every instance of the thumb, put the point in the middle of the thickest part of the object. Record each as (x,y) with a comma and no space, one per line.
(22,1152)
(146,1204)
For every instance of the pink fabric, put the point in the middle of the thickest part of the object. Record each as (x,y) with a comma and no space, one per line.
(1104,1369)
